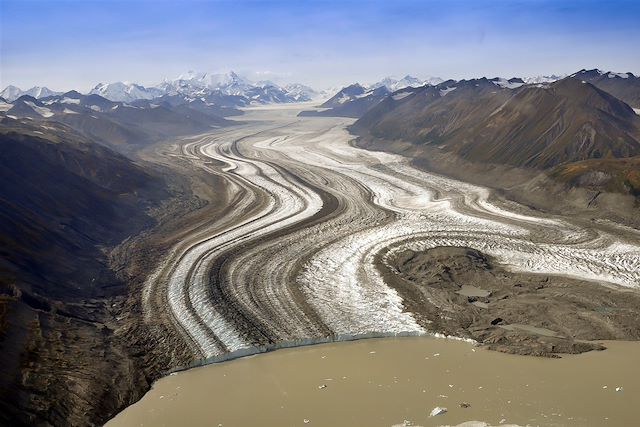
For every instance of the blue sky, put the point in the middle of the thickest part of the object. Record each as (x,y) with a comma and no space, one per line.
(76,44)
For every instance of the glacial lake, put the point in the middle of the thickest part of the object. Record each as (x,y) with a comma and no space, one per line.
(398,381)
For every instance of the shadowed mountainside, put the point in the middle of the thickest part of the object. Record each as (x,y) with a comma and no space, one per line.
(64,201)
(124,127)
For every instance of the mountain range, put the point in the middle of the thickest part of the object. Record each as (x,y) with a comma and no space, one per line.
(351,101)
(354,100)
(574,127)
(195,85)
(228,89)
(11,93)
(394,84)
(538,127)
(542,122)
(119,125)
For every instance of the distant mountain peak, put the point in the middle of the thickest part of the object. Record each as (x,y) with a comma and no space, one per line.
(11,93)
(542,79)
(124,91)
(72,94)
(408,80)
(200,85)
(228,89)
(625,86)
(595,72)
(512,83)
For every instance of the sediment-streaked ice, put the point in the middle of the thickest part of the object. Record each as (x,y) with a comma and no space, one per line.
(323,276)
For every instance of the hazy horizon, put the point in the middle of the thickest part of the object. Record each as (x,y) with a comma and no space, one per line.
(320,44)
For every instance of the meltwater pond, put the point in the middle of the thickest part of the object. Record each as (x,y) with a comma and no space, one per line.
(391,381)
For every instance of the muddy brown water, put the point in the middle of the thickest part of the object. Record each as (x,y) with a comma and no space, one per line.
(383,382)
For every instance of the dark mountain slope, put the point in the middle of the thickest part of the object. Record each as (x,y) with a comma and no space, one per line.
(530,127)
(63,201)
(119,125)
(542,128)
(432,114)
(216,109)
(106,131)
(397,106)
(352,101)
(624,86)
(344,94)
(60,188)
(24,107)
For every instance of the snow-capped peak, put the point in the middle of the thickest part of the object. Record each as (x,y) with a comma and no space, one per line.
(225,89)
(197,85)
(11,93)
(301,92)
(194,82)
(542,79)
(597,74)
(40,92)
(394,84)
(613,75)
(124,91)
(191,75)
(513,83)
